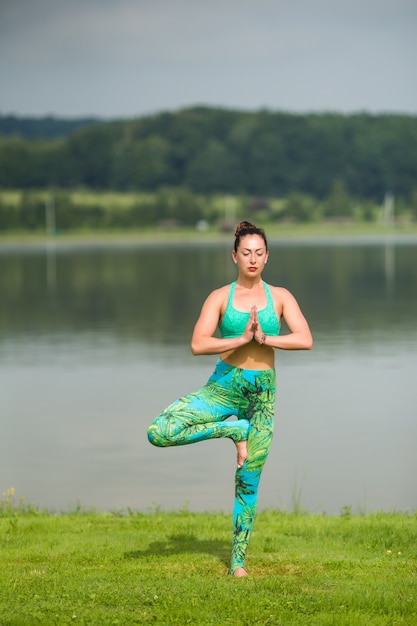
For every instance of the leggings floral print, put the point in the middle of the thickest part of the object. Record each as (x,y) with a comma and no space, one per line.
(250,396)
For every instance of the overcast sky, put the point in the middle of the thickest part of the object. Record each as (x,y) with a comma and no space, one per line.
(126,58)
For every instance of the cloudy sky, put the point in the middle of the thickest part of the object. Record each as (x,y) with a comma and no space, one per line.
(125,58)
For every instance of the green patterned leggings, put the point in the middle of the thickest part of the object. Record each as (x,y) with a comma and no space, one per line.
(250,396)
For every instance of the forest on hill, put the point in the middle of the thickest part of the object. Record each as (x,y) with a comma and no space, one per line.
(215,150)
(328,164)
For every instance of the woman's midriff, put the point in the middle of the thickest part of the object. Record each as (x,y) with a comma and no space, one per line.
(251,356)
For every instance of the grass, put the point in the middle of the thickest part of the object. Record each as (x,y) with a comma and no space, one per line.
(120,201)
(275,231)
(107,199)
(86,567)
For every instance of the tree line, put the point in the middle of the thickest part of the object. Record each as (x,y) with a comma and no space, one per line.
(298,166)
(215,150)
(48,127)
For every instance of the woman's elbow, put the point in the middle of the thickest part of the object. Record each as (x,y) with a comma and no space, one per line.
(309,343)
(195,348)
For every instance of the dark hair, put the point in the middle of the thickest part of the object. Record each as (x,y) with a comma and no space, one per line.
(246,228)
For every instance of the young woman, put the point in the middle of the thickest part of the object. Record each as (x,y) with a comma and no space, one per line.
(247,314)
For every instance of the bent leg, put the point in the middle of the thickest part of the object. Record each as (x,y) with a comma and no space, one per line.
(197,417)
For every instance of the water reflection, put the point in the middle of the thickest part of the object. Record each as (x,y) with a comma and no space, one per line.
(50,266)
(154,293)
(390,267)
(95,341)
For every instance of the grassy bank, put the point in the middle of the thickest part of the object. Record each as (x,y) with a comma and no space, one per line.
(171,568)
(175,214)
(275,232)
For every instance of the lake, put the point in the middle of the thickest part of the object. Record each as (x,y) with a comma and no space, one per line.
(94,343)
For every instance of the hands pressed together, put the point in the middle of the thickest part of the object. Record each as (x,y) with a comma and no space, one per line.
(253,330)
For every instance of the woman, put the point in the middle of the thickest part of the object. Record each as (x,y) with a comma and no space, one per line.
(247,314)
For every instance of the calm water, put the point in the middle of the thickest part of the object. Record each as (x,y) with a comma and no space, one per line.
(94,342)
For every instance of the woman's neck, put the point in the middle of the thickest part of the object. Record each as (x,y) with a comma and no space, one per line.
(249,283)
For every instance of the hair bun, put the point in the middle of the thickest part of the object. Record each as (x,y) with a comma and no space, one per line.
(243,226)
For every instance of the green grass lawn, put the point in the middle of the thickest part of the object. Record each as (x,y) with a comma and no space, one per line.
(171,568)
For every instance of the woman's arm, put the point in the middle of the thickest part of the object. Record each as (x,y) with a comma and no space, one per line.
(299,337)
(203,342)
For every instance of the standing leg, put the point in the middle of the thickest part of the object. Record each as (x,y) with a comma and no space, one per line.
(260,410)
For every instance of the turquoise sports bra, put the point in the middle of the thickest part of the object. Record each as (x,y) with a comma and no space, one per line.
(234,322)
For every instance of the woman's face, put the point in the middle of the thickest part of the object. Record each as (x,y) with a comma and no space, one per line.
(251,255)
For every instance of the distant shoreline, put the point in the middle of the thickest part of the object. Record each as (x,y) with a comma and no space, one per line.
(311,234)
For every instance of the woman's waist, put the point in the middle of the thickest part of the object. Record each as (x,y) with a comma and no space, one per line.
(243,380)
(250,357)
(224,372)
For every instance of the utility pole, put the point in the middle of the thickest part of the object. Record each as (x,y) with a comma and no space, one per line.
(230,209)
(389,210)
(50,219)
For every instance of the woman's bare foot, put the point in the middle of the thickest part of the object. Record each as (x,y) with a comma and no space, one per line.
(242,452)
(239,572)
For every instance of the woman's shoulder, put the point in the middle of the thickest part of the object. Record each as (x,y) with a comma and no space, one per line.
(280,293)
(222,290)
(219,295)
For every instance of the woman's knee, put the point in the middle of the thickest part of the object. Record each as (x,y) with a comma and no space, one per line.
(158,436)
(152,438)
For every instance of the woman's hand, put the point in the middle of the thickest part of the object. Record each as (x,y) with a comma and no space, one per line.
(258,334)
(252,325)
